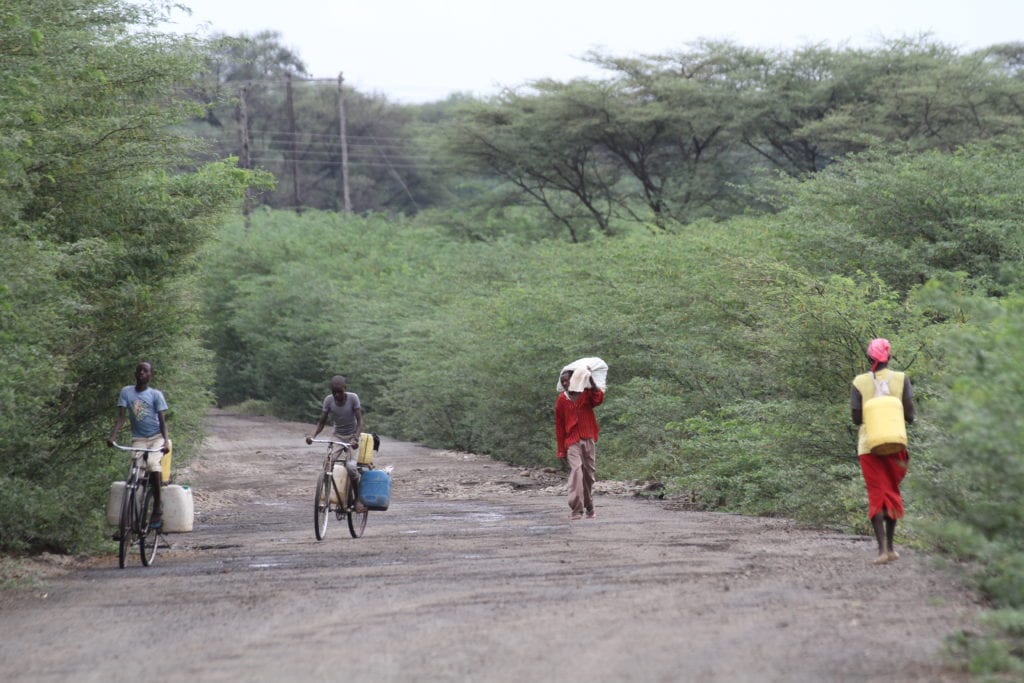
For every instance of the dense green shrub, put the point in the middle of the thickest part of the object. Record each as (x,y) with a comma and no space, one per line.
(467,341)
(102,210)
(914,217)
(714,323)
(731,345)
(976,491)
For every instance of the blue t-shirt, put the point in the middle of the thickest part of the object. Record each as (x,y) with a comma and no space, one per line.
(143,407)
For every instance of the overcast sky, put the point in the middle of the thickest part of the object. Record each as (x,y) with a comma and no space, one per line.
(423,50)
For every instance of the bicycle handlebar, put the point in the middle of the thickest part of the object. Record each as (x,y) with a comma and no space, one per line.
(135,450)
(336,443)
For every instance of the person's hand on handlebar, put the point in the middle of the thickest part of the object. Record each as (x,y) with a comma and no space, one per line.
(309,440)
(110,443)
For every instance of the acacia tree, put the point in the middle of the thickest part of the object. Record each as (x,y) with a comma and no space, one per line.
(537,144)
(103,211)
(932,97)
(806,109)
(783,97)
(641,147)
(671,122)
(690,135)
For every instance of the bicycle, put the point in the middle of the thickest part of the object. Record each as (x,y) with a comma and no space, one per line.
(344,504)
(136,510)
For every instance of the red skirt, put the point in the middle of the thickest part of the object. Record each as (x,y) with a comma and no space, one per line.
(882,476)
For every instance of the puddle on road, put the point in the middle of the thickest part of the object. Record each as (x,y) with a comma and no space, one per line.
(460,518)
(479,517)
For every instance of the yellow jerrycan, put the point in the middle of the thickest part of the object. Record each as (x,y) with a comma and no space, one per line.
(884,425)
(366,450)
(165,463)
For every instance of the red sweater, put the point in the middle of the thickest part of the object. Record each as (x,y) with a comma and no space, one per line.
(575,420)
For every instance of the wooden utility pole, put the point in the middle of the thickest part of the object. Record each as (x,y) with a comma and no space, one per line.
(292,145)
(346,199)
(246,154)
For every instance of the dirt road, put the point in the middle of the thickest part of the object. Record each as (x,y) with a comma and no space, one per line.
(474,574)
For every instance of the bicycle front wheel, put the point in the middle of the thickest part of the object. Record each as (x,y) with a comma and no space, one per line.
(126,524)
(148,535)
(321,506)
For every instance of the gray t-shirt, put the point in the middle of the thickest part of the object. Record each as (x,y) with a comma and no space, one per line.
(344,415)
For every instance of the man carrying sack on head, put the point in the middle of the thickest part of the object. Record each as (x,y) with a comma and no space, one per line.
(576,431)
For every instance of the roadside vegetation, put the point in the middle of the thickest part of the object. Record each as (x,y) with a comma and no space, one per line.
(726,227)
(102,210)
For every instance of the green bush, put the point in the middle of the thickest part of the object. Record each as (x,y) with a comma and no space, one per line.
(913,217)
(731,345)
(103,211)
(976,493)
(467,341)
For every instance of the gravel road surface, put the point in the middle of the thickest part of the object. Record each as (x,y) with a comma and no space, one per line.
(475,573)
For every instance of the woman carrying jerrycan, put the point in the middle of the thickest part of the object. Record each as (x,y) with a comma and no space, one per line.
(881,401)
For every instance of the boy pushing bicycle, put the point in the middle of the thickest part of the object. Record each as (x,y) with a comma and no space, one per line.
(145,407)
(346,411)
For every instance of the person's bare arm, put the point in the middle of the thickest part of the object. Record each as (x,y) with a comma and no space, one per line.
(121,414)
(358,412)
(319,427)
(163,431)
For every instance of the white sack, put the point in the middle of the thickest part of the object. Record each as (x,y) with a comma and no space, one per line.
(598,370)
(580,379)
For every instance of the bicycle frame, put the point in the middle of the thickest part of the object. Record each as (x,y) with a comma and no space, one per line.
(134,524)
(331,460)
(346,500)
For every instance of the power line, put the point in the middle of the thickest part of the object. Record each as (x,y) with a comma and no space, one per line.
(293,148)
(331,154)
(332,141)
(334,136)
(337,162)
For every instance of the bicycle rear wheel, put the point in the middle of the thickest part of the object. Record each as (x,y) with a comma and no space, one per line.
(148,535)
(357,523)
(321,506)
(126,524)
(356,520)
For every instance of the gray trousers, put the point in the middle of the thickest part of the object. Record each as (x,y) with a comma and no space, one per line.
(582,457)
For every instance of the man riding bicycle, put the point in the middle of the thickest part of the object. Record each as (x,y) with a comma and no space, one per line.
(346,411)
(145,406)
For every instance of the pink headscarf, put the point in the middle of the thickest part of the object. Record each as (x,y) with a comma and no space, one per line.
(878,351)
